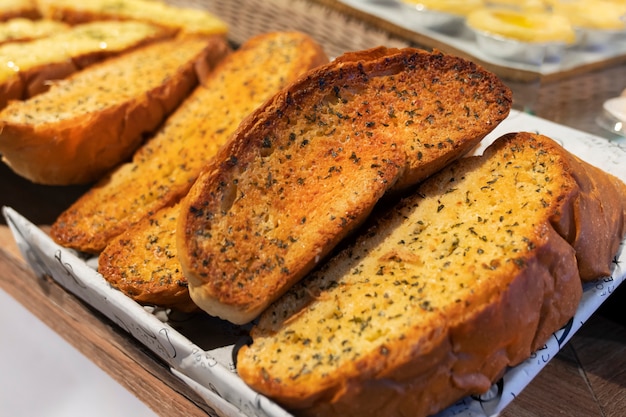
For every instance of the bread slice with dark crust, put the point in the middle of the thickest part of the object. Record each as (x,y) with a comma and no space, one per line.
(463,278)
(94,120)
(308,167)
(162,171)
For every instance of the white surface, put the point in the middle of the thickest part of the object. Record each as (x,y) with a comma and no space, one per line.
(42,375)
(616,107)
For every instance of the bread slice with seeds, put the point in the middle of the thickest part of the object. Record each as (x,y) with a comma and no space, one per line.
(162,171)
(463,278)
(308,167)
(87,124)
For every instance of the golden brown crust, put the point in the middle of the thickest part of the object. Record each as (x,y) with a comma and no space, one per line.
(465,277)
(307,167)
(598,227)
(163,170)
(84,126)
(24,30)
(11,9)
(142,262)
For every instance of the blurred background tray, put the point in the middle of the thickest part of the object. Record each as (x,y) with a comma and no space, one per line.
(394,19)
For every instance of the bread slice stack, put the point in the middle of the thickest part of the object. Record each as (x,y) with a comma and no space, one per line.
(132,214)
(464,277)
(307,167)
(84,126)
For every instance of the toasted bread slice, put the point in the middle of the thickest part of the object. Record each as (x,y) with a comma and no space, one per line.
(10,9)
(163,170)
(84,126)
(28,68)
(142,263)
(468,275)
(308,167)
(181,19)
(21,29)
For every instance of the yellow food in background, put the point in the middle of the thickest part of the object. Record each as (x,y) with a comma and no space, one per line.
(22,29)
(457,7)
(593,14)
(521,5)
(527,26)
(10,9)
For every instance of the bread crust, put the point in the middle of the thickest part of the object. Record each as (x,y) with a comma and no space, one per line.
(598,227)
(306,169)
(162,171)
(447,349)
(80,144)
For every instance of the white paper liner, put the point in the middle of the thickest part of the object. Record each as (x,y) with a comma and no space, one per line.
(211,372)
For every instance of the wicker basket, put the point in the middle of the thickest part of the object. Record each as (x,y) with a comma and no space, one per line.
(336,31)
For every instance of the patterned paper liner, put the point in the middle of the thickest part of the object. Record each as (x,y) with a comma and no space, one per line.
(211,372)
